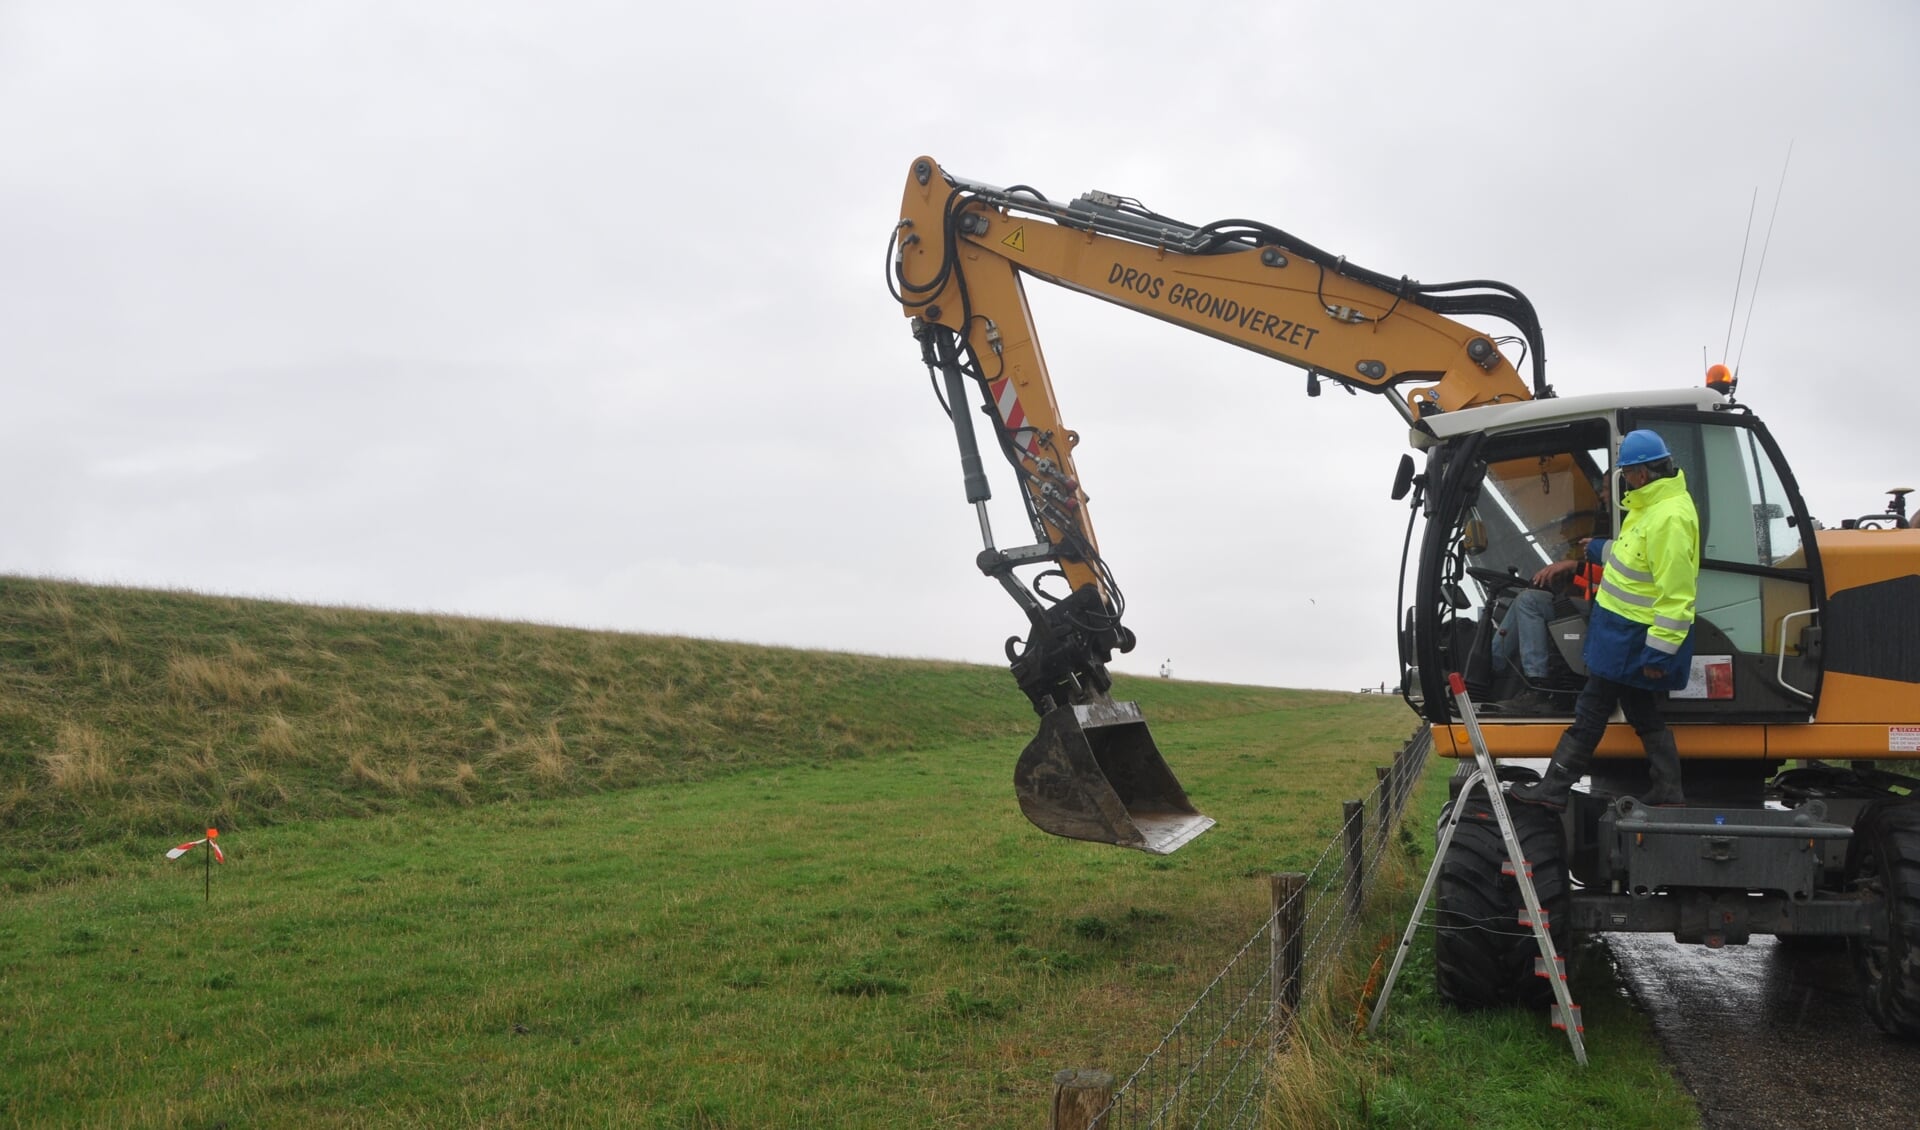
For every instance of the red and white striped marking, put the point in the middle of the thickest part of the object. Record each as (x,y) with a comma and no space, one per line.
(218,855)
(1006,399)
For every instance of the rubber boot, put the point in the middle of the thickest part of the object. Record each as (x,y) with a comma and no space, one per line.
(1663,766)
(1570,760)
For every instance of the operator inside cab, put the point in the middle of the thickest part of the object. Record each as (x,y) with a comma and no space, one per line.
(1524,640)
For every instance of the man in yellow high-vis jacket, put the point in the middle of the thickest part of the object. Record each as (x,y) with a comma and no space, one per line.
(1640,633)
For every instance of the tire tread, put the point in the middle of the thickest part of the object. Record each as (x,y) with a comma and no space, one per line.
(1483,957)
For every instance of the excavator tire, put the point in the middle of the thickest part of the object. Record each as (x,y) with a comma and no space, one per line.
(1884,857)
(1483,956)
(1509,774)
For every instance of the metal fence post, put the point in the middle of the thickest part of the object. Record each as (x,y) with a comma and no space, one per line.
(1405,773)
(1286,954)
(1353,816)
(1383,808)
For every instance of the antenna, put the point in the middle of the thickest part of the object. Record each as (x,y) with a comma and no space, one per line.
(1764,244)
(1741,274)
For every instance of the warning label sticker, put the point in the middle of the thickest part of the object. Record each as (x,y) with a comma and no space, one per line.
(1903,739)
(1018,240)
(1711,677)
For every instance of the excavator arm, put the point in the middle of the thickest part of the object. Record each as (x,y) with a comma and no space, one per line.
(955,267)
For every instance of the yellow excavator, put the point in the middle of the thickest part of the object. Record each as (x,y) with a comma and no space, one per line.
(1806,673)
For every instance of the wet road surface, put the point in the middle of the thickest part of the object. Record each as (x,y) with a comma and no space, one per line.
(1765,1035)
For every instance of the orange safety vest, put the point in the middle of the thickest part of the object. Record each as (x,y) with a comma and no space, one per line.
(1586,579)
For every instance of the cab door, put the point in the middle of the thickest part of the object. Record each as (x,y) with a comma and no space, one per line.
(1757,614)
(1497,507)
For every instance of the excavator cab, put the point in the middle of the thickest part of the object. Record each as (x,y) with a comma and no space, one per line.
(1512,488)
(1094,773)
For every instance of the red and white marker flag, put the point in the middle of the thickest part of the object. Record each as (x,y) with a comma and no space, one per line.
(208,839)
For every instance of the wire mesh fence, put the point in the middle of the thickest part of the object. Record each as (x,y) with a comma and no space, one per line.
(1210,1069)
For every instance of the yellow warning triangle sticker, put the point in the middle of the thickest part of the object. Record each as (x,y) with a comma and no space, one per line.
(1018,240)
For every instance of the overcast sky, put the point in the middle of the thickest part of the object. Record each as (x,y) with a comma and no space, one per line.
(574,312)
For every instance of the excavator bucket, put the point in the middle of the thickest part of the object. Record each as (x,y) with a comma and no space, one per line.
(1095,774)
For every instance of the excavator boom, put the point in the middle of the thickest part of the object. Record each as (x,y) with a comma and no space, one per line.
(960,252)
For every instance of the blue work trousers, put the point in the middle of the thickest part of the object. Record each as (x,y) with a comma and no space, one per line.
(1524,629)
(1595,705)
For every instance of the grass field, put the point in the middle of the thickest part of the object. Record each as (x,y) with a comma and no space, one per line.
(821,909)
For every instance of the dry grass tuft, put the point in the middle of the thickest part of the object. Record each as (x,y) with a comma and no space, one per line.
(749,707)
(185,770)
(276,738)
(80,761)
(550,763)
(1308,1076)
(457,786)
(50,605)
(462,632)
(408,780)
(195,678)
(358,771)
(259,786)
(115,675)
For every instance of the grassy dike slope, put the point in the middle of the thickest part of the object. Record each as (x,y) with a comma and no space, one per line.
(127,714)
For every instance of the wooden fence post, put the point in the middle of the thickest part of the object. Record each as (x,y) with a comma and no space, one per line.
(1287,955)
(1078,1098)
(1353,815)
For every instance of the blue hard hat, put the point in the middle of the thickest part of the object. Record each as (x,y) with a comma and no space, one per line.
(1642,446)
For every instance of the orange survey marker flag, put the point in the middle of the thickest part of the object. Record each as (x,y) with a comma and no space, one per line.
(212,835)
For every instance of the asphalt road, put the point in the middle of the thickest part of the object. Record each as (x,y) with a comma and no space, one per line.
(1770,1036)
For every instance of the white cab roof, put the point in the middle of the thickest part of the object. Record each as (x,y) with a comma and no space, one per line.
(1530,413)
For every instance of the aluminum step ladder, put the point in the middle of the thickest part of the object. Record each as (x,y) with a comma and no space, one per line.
(1566,1014)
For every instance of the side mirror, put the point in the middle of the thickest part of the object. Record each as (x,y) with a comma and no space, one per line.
(1403,478)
